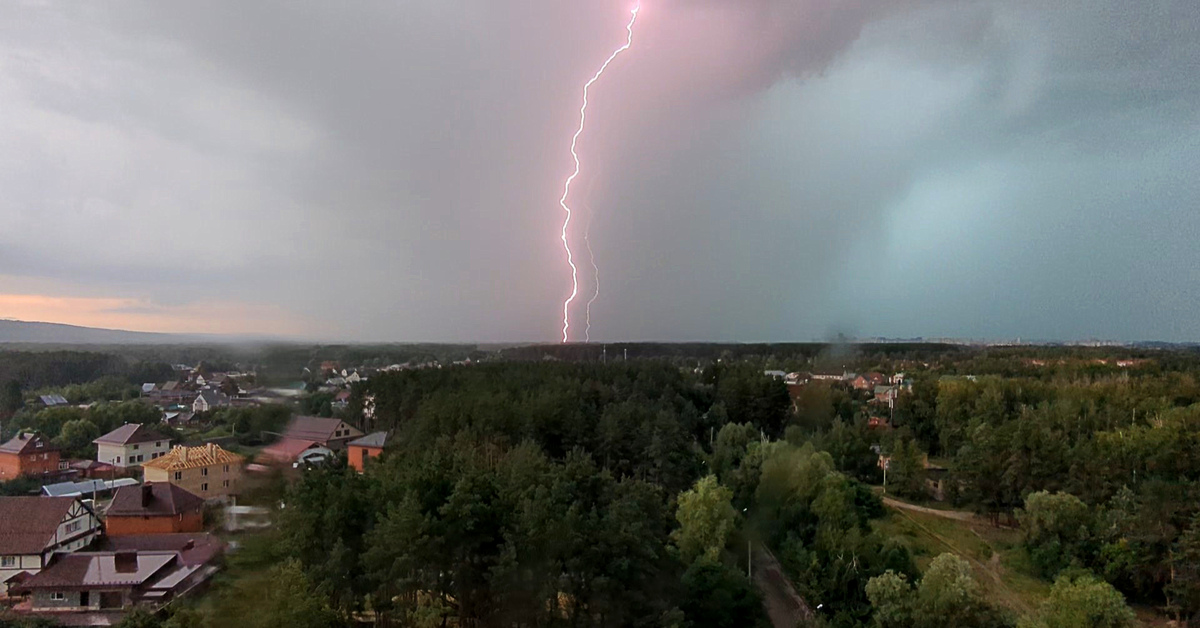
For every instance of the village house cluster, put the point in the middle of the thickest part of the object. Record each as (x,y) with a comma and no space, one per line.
(85,552)
(195,392)
(133,526)
(880,390)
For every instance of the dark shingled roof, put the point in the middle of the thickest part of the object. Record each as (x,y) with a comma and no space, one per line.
(164,500)
(213,398)
(28,524)
(26,442)
(129,434)
(85,570)
(374,439)
(194,548)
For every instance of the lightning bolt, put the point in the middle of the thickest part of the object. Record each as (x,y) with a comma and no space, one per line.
(587,239)
(575,155)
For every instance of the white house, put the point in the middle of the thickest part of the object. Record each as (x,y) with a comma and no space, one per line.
(209,400)
(34,529)
(130,445)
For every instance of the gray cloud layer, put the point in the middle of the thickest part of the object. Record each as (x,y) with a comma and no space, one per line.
(770,169)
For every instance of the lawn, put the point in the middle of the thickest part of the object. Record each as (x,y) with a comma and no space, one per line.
(1001,566)
(999,562)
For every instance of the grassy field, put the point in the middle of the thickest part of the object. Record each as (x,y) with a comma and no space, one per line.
(1000,564)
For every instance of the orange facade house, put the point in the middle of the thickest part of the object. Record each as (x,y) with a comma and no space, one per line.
(154,509)
(28,454)
(365,448)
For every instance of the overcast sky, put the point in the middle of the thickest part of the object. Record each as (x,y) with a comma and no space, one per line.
(754,169)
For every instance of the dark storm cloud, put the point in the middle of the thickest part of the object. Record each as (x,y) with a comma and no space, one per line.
(771,169)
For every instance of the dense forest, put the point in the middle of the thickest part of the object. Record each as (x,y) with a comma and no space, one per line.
(522,495)
(528,491)
(546,494)
(1101,472)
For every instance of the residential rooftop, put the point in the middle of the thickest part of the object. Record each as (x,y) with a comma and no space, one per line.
(180,458)
(151,500)
(28,524)
(130,434)
(374,439)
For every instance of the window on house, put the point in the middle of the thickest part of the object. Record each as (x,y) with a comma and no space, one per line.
(8,561)
(226,468)
(135,447)
(58,595)
(204,471)
(226,484)
(118,460)
(158,444)
(179,475)
(73,527)
(204,487)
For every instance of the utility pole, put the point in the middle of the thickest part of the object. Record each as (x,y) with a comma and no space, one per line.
(749,561)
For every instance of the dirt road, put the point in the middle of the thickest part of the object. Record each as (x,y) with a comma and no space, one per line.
(990,569)
(785,607)
(945,514)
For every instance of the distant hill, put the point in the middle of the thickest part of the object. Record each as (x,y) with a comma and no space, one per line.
(22,332)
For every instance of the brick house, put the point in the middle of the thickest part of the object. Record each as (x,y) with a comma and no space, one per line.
(28,453)
(365,448)
(34,529)
(131,445)
(207,471)
(154,509)
(869,381)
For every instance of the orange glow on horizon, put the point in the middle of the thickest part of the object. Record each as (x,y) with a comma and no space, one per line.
(221,317)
